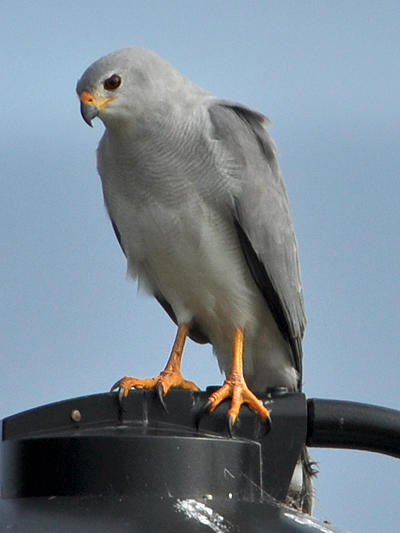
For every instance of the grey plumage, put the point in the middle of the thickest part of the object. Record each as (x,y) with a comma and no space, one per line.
(198,203)
(263,220)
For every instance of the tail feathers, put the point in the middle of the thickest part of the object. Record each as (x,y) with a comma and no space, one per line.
(301,493)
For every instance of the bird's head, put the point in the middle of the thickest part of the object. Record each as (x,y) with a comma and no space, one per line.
(127,85)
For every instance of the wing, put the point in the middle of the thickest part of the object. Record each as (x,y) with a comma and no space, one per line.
(262,217)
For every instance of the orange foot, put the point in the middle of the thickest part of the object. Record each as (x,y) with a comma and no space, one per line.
(235,386)
(165,381)
(171,377)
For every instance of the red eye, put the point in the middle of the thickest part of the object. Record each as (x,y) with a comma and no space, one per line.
(112,83)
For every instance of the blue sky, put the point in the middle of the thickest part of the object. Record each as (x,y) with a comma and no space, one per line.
(327,73)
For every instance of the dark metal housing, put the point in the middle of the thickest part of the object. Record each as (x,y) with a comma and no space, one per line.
(89,465)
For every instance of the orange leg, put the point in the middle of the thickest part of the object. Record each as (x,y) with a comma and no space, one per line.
(235,386)
(171,377)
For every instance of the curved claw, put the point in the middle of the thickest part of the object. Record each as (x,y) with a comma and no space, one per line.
(120,391)
(267,423)
(116,385)
(160,394)
(201,412)
(231,423)
(121,396)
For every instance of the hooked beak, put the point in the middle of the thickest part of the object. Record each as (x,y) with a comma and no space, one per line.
(90,107)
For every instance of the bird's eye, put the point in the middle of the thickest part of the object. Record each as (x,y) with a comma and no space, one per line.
(112,83)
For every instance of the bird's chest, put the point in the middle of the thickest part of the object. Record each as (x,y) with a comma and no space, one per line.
(161,198)
(175,225)
(169,231)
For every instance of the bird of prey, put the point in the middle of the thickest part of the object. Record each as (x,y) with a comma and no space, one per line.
(197,200)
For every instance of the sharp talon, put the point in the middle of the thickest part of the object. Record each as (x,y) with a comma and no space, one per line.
(116,385)
(268,423)
(121,395)
(207,405)
(201,412)
(160,394)
(231,423)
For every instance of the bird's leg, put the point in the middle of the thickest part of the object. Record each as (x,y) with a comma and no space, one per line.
(170,377)
(235,386)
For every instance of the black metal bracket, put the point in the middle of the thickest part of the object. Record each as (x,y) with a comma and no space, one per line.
(89,465)
(90,445)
